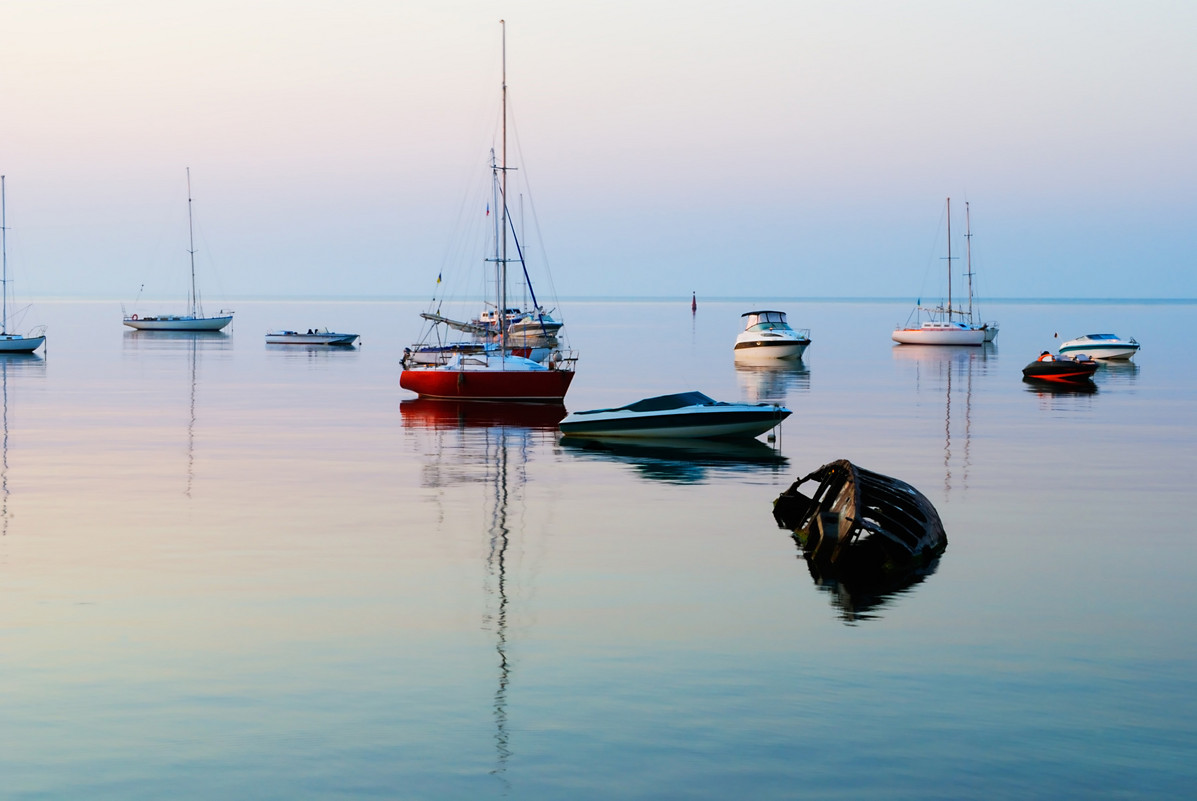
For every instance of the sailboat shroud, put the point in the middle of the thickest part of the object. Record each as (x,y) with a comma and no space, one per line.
(194,319)
(493,373)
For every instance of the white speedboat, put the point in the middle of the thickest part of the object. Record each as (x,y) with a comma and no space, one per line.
(767,335)
(312,336)
(1100,346)
(679,416)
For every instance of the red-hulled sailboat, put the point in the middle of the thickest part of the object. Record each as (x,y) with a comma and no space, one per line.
(493,372)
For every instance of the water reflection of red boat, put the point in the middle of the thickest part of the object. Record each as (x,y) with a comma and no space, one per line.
(432,413)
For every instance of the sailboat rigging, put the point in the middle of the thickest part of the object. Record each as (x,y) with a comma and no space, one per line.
(493,367)
(989,327)
(194,319)
(10,342)
(941,327)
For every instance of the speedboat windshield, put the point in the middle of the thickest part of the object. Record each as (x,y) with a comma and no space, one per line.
(661,403)
(765,321)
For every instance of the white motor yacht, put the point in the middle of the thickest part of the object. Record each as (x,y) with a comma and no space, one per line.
(767,335)
(1100,346)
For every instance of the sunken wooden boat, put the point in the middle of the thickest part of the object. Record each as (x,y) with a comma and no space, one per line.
(865,537)
(865,524)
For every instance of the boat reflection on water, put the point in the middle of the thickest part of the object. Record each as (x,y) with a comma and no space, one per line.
(771,382)
(865,537)
(310,352)
(177,340)
(1056,389)
(682,461)
(488,444)
(1116,373)
(858,597)
(432,413)
(192,343)
(16,364)
(950,369)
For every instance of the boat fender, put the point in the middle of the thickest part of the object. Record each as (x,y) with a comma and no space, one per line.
(553,357)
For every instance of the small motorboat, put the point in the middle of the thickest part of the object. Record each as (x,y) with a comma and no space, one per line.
(1060,368)
(1101,346)
(767,335)
(679,416)
(311,337)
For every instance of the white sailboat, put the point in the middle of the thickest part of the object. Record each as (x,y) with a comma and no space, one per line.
(939,327)
(10,342)
(194,319)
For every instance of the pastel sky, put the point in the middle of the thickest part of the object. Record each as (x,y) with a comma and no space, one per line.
(755,149)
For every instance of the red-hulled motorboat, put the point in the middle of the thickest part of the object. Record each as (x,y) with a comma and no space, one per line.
(1058,368)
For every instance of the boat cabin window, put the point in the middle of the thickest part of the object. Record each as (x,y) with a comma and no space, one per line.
(766,320)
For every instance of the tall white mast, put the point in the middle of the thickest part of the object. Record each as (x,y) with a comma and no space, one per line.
(503,211)
(193,299)
(968,249)
(4,248)
(949,260)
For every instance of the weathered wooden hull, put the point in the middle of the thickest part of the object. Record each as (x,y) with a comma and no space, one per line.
(851,506)
(864,536)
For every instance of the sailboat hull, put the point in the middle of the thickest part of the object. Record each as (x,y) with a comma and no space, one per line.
(178,323)
(940,334)
(541,386)
(13,343)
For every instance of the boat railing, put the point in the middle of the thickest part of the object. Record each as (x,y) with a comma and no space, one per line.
(563,359)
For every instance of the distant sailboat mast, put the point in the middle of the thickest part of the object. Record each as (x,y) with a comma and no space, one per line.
(193,298)
(968,261)
(4,248)
(949,260)
(503,211)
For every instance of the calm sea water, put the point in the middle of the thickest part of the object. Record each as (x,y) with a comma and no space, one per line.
(246,571)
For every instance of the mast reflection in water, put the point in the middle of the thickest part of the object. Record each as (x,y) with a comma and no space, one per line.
(191,343)
(950,370)
(488,443)
(15,363)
